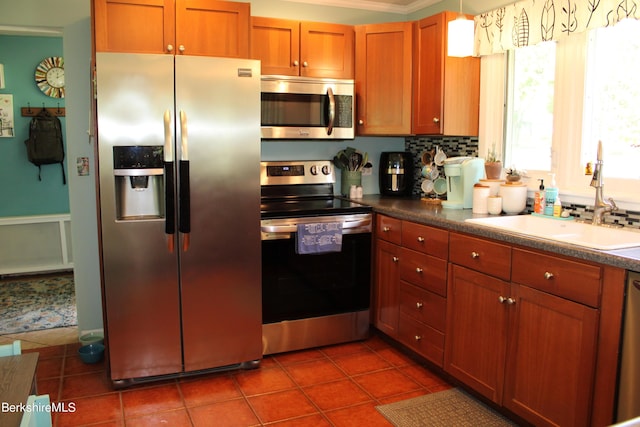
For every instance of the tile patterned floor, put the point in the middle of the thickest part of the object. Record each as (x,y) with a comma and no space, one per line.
(330,386)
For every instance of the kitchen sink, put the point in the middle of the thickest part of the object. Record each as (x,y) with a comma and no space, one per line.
(562,230)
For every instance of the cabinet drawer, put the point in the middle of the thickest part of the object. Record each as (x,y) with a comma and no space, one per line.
(423,306)
(389,229)
(481,255)
(423,270)
(422,238)
(574,280)
(422,338)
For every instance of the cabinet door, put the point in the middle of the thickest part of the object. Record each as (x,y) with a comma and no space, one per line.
(276,43)
(387,283)
(212,28)
(326,50)
(476,332)
(446,89)
(551,362)
(137,26)
(383,78)
(429,48)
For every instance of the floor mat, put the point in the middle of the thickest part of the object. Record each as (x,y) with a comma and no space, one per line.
(33,304)
(447,408)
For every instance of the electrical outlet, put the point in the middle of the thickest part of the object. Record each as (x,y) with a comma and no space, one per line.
(367,171)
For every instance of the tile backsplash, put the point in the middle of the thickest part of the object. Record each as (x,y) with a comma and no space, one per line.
(455,146)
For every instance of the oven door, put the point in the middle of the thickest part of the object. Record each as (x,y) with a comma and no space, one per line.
(298,286)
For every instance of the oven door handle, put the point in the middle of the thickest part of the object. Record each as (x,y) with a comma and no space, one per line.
(292,228)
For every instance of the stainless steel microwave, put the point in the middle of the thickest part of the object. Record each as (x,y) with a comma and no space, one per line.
(307,108)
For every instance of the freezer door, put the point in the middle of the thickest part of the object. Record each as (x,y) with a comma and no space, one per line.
(140,276)
(219,101)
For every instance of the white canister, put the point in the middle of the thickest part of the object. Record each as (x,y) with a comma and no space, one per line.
(494,184)
(514,197)
(494,205)
(480,197)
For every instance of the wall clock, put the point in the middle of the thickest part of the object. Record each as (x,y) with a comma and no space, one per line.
(50,76)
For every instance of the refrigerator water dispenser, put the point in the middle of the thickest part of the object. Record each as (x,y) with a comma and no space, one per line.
(139,180)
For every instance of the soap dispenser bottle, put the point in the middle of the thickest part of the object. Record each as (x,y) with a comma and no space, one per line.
(550,195)
(538,204)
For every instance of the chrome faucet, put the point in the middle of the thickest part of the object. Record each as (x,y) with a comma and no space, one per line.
(600,207)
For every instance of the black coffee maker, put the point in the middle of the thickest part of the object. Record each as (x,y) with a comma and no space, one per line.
(396,173)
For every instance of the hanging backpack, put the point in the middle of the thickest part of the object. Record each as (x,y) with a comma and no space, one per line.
(45,145)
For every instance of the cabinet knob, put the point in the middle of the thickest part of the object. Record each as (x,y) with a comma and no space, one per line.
(305,64)
(169,48)
(436,120)
(507,300)
(360,122)
(475,255)
(419,305)
(417,337)
(181,48)
(420,239)
(386,229)
(296,63)
(548,275)
(418,270)
(395,259)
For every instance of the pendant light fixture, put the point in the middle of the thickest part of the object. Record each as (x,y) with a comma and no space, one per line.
(460,36)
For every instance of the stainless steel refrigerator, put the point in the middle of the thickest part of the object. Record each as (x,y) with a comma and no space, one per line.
(179,194)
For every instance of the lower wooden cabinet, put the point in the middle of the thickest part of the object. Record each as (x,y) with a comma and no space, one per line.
(422,321)
(387,276)
(476,331)
(535,332)
(551,359)
(530,351)
(532,337)
(411,285)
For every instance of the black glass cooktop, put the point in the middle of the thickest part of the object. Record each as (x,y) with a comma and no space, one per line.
(310,207)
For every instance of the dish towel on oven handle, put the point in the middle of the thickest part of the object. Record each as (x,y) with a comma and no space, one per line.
(319,238)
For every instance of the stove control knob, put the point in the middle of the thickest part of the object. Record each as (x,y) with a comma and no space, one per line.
(326,169)
(313,169)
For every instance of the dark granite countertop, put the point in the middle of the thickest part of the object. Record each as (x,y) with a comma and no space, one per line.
(421,212)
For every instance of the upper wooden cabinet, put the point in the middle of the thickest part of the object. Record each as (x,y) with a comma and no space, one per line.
(383,78)
(190,27)
(309,49)
(446,89)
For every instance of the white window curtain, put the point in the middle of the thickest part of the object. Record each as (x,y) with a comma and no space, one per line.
(529,22)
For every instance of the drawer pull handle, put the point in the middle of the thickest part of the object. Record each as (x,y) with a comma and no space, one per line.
(502,299)
(420,239)
(395,259)
(418,337)
(386,229)
(548,275)
(475,255)
(507,300)
(419,305)
(418,270)
(511,301)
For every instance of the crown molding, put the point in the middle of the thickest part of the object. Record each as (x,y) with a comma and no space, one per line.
(372,5)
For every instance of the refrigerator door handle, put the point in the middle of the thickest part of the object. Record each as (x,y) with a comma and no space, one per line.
(169,184)
(184,217)
(332,111)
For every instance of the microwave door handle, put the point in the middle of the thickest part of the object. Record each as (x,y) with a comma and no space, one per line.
(169,199)
(332,111)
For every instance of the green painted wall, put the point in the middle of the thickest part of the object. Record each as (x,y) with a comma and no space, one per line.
(20,191)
